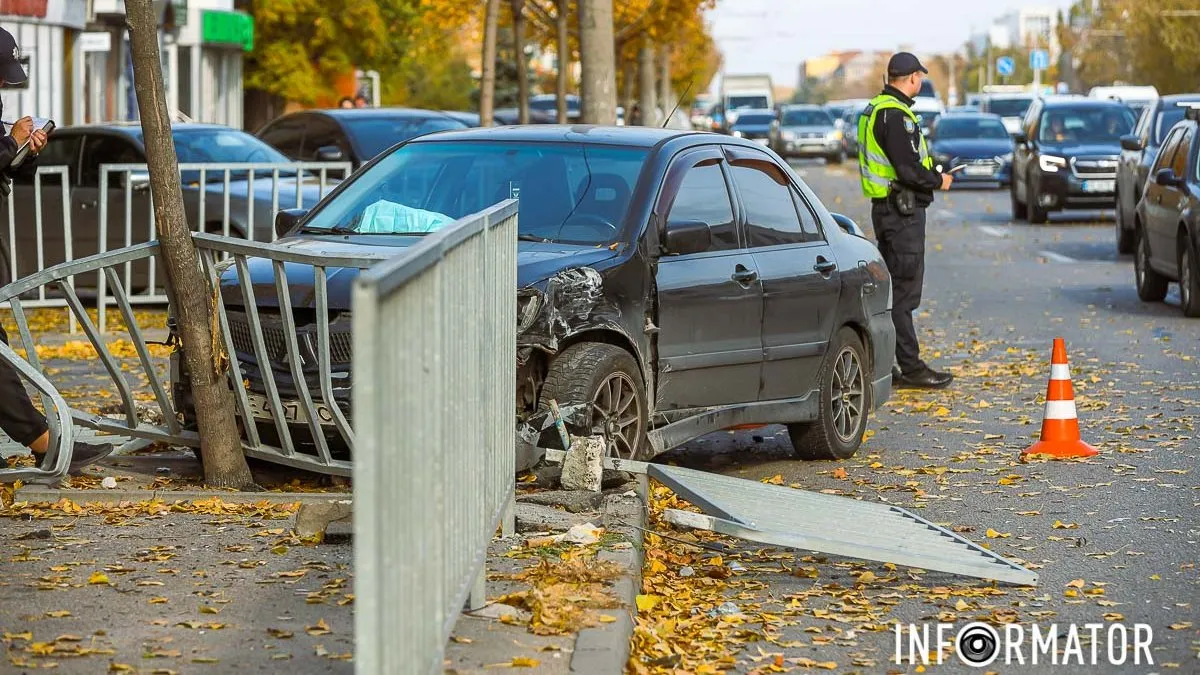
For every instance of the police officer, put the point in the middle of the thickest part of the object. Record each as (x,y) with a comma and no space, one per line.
(898,177)
(19,420)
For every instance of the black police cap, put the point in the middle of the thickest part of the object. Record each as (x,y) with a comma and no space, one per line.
(904,63)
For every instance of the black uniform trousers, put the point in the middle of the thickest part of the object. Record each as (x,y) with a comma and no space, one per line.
(902,243)
(18,418)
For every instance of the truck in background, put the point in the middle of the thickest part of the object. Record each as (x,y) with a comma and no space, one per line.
(746,92)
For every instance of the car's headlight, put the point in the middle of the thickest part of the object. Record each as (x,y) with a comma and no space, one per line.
(834,135)
(1005,158)
(737,133)
(1050,163)
(789,135)
(529,303)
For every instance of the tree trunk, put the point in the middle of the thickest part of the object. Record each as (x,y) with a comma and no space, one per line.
(598,80)
(518,19)
(220,444)
(487,79)
(647,102)
(564,59)
(665,95)
(628,78)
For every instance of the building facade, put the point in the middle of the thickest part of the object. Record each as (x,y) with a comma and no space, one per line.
(48,33)
(1029,28)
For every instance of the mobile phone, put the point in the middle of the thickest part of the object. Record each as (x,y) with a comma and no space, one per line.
(960,167)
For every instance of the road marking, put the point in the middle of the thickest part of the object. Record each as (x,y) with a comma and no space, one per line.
(995,231)
(1057,257)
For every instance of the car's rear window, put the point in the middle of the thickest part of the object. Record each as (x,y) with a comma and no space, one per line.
(568,192)
(373,135)
(1166,120)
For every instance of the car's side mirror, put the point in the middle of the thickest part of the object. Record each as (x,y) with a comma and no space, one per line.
(287,219)
(1130,142)
(330,153)
(687,236)
(138,181)
(1021,138)
(1166,178)
(848,225)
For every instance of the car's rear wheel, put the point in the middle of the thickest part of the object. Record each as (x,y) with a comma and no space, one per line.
(1037,215)
(608,377)
(1125,235)
(1151,286)
(845,404)
(1189,278)
(1019,212)
(836,158)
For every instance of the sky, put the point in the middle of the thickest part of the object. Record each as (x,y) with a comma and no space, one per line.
(774,36)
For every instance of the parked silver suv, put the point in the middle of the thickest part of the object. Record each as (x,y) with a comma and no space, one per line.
(808,131)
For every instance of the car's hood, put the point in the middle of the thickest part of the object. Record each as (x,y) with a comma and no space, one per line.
(1108,149)
(973,147)
(535,261)
(808,129)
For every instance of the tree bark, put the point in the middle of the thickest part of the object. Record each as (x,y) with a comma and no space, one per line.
(628,79)
(664,82)
(220,443)
(647,103)
(598,80)
(518,19)
(564,59)
(487,79)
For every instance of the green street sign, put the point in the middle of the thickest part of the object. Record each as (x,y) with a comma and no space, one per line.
(231,28)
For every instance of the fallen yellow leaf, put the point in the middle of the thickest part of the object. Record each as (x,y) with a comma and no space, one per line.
(645,603)
(866,577)
(524,662)
(205,609)
(158,601)
(1183,625)
(98,578)
(961,605)
(1077,583)
(993,534)
(1060,525)
(58,613)
(1114,616)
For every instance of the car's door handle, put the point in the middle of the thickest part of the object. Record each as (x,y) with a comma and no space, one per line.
(744,276)
(87,205)
(825,267)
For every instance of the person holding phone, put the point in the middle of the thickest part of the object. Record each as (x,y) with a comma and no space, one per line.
(19,419)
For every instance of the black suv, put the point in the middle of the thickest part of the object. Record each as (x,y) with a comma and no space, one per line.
(1138,151)
(1167,221)
(1066,156)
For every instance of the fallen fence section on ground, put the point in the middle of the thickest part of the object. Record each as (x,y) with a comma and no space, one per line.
(434,473)
(811,521)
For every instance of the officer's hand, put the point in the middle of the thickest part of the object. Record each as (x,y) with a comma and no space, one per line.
(947,179)
(21,130)
(37,141)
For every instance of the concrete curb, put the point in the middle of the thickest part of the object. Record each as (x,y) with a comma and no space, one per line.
(605,648)
(38,494)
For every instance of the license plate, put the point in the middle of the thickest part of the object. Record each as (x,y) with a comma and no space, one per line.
(1099,186)
(293,411)
(978,171)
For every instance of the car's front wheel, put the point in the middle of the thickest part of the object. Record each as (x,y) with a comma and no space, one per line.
(836,158)
(1125,234)
(1037,214)
(1019,212)
(845,401)
(608,378)
(1151,286)
(1189,278)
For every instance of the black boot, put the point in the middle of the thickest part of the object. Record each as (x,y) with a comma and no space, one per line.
(926,378)
(83,454)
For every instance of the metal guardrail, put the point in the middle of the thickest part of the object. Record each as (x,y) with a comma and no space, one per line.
(434,342)
(219,198)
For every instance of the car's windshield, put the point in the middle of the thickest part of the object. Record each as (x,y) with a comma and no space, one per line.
(1082,125)
(1009,107)
(756,119)
(971,127)
(219,145)
(743,102)
(1166,120)
(374,134)
(569,192)
(807,118)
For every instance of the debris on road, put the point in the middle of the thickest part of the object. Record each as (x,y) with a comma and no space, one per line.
(581,470)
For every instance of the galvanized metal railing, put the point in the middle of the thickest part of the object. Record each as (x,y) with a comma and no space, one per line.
(434,399)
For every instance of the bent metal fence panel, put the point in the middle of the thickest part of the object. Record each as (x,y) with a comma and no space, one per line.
(435,363)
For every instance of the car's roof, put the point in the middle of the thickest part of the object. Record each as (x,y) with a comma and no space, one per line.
(1081,102)
(135,128)
(803,106)
(644,137)
(964,114)
(754,111)
(1016,95)
(366,113)
(1171,100)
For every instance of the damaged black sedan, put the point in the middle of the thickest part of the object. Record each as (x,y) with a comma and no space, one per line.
(677,283)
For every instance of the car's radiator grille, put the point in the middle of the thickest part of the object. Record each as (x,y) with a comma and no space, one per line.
(1094,167)
(340,340)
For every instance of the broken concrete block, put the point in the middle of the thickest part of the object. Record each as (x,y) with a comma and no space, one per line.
(547,477)
(499,610)
(614,479)
(538,518)
(313,519)
(575,501)
(581,467)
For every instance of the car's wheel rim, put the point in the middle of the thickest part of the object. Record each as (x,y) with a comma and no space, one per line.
(1139,266)
(848,395)
(618,411)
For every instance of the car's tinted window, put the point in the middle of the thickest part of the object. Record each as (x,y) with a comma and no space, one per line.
(1166,120)
(1009,107)
(286,135)
(806,118)
(1167,151)
(374,134)
(324,132)
(99,150)
(1179,162)
(756,119)
(59,151)
(1085,124)
(771,217)
(704,197)
(808,219)
(971,127)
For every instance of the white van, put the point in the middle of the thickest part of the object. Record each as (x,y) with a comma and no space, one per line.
(1136,97)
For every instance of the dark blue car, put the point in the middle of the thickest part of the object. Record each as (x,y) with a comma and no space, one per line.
(977,142)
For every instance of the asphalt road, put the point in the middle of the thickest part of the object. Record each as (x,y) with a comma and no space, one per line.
(996,294)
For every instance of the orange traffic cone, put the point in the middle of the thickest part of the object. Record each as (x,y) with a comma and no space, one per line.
(1060,425)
